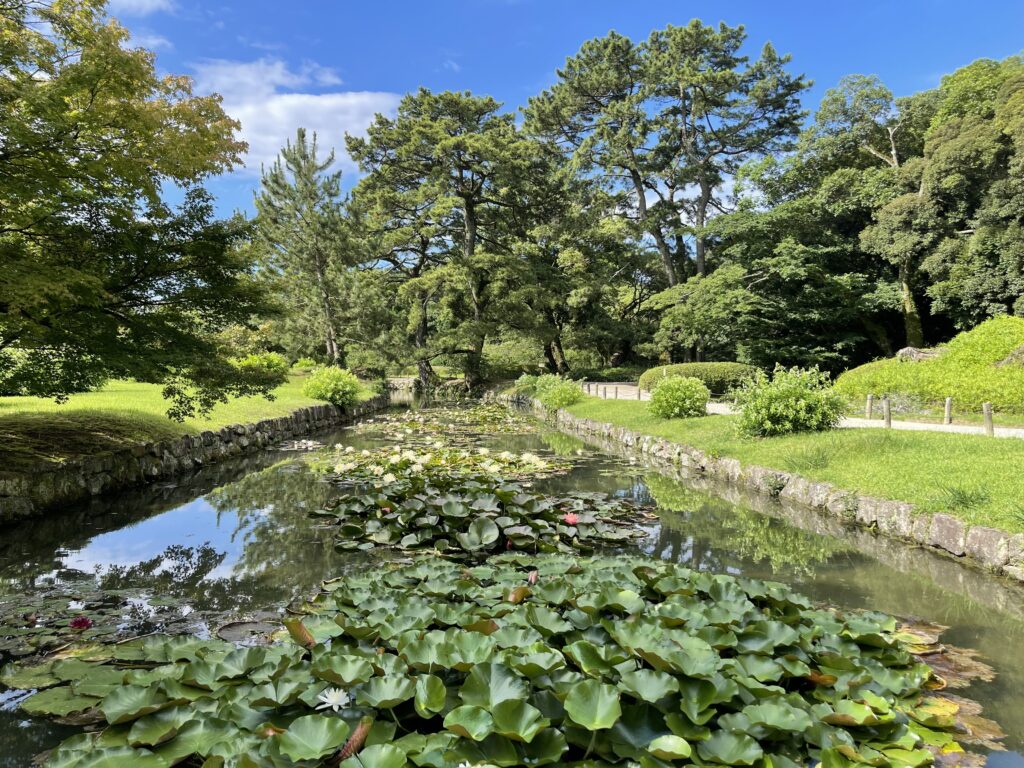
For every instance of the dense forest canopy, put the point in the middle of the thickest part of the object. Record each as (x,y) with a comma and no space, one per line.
(668,199)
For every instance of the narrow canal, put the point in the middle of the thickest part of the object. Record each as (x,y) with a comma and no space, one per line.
(236,542)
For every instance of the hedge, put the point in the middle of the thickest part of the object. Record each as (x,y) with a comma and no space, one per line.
(717,377)
(977,366)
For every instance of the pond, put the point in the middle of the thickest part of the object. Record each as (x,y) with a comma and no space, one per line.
(236,541)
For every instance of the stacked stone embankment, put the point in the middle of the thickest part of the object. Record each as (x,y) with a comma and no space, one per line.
(32,492)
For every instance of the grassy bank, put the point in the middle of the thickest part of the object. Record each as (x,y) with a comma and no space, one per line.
(974,477)
(120,414)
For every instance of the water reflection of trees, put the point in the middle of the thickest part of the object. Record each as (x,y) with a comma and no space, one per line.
(711,534)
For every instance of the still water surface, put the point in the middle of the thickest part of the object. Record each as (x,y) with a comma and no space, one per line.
(235,541)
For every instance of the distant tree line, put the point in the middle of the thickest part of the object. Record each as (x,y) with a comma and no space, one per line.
(665,200)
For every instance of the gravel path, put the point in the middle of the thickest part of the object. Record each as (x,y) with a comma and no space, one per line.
(628,391)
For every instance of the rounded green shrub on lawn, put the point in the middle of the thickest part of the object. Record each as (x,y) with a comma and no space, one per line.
(337,386)
(792,400)
(554,392)
(269,368)
(679,397)
(717,377)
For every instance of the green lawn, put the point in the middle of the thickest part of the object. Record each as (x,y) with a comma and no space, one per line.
(120,414)
(976,478)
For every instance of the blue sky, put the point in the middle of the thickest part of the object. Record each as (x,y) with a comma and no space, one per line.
(329,65)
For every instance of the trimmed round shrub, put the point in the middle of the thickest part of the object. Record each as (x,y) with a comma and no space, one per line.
(679,397)
(304,364)
(793,400)
(719,378)
(337,386)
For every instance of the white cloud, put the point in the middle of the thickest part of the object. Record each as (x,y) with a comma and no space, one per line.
(152,42)
(452,65)
(139,7)
(271,100)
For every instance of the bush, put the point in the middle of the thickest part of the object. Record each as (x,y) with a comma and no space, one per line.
(554,392)
(679,397)
(525,385)
(304,364)
(335,385)
(976,367)
(717,377)
(267,368)
(618,373)
(793,400)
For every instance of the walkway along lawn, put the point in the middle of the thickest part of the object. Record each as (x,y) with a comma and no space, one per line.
(978,479)
(122,413)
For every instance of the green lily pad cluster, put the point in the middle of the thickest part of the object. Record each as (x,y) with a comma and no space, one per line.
(522,662)
(481,518)
(43,621)
(460,503)
(443,464)
(460,425)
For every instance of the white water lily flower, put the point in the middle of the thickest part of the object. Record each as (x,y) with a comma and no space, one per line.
(394,459)
(364,452)
(506,455)
(377,470)
(389,478)
(349,449)
(438,444)
(417,467)
(482,451)
(333,698)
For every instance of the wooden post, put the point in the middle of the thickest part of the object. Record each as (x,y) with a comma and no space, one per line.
(615,393)
(605,395)
(986,408)
(947,416)
(869,408)
(887,412)
(638,392)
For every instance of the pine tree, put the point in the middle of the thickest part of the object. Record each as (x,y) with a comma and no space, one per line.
(304,240)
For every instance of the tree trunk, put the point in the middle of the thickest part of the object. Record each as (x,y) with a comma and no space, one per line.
(667,262)
(562,365)
(327,307)
(549,355)
(700,219)
(474,361)
(911,313)
(425,371)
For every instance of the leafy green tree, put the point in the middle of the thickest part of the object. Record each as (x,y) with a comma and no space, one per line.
(668,122)
(99,277)
(448,238)
(304,242)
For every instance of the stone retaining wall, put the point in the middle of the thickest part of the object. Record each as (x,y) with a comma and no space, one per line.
(24,494)
(990,548)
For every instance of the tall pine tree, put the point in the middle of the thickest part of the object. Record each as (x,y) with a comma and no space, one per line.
(304,240)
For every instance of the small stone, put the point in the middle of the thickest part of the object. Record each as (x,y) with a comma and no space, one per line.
(1015,549)
(988,546)
(920,530)
(1014,572)
(948,533)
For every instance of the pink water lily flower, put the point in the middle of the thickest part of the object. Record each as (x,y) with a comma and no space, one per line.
(80,622)
(570,518)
